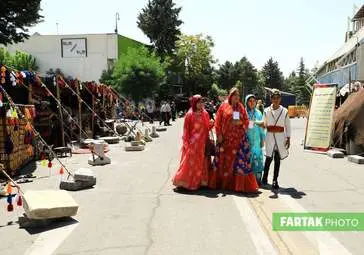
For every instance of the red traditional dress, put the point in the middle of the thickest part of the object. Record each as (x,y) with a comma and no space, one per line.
(231,166)
(193,172)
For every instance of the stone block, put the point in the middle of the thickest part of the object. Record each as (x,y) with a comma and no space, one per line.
(356,159)
(84,174)
(72,185)
(97,161)
(335,154)
(135,148)
(110,139)
(161,129)
(49,204)
(25,222)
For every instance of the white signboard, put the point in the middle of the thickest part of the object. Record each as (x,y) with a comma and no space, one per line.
(320,119)
(74,47)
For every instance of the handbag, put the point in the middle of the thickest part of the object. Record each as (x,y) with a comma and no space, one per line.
(210,149)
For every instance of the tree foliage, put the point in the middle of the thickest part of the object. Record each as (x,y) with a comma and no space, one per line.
(273,77)
(194,54)
(19,61)
(216,91)
(296,84)
(243,71)
(138,73)
(16,17)
(160,22)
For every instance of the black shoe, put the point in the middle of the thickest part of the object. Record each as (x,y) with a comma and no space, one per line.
(275,185)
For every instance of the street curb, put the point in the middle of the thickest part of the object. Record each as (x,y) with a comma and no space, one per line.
(285,242)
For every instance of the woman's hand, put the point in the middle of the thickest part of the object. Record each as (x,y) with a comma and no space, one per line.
(220,139)
(262,144)
(237,122)
(212,122)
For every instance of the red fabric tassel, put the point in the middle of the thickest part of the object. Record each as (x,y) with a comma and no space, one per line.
(10,208)
(61,171)
(20,201)
(49,164)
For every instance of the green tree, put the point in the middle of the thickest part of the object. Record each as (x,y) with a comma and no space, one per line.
(215,92)
(106,76)
(19,61)
(195,59)
(243,71)
(290,82)
(23,61)
(301,90)
(247,74)
(226,77)
(16,17)
(139,73)
(160,22)
(273,77)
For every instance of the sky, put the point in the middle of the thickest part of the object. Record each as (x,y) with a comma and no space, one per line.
(257,29)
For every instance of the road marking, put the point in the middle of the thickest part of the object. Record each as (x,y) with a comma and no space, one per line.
(260,239)
(48,241)
(324,241)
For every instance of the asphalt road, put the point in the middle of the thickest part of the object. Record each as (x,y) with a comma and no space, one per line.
(134,210)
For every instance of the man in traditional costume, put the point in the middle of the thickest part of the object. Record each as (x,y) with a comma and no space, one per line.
(278,137)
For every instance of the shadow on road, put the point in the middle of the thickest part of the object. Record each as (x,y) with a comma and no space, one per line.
(47,225)
(214,193)
(294,193)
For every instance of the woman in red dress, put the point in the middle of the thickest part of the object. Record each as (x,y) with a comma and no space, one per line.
(231,166)
(192,172)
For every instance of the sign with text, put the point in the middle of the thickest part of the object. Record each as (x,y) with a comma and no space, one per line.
(74,47)
(320,119)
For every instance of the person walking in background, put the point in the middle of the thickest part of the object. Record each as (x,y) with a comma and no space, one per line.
(278,138)
(162,114)
(168,111)
(256,136)
(192,172)
(173,111)
(150,111)
(231,166)
(260,106)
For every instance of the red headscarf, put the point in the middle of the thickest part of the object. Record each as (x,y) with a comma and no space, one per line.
(194,100)
(225,113)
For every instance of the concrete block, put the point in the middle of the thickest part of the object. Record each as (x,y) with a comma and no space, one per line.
(135,148)
(138,143)
(72,185)
(335,154)
(161,129)
(25,222)
(356,159)
(148,139)
(97,161)
(49,204)
(84,174)
(110,139)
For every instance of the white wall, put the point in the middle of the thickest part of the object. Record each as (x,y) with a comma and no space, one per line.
(47,51)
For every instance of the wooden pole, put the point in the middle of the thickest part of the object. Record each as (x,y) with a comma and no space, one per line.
(93,116)
(60,114)
(30,94)
(79,108)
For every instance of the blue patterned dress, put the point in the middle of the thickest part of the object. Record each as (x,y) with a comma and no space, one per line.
(255,137)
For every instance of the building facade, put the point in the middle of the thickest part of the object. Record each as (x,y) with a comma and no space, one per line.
(347,63)
(81,56)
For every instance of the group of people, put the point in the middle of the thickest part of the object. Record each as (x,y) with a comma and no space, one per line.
(241,134)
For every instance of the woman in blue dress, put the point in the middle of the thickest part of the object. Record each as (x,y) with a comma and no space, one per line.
(256,136)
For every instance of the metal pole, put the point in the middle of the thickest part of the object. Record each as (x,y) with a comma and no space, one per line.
(60,114)
(79,107)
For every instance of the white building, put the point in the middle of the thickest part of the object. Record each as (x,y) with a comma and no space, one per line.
(347,63)
(82,56)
